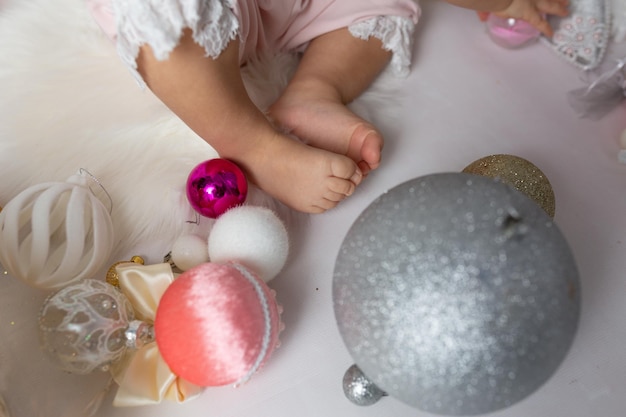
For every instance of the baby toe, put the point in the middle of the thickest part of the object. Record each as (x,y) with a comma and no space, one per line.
(338,189)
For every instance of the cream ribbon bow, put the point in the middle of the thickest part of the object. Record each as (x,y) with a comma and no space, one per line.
(142,375)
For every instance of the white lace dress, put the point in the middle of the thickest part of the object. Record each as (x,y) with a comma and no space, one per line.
(275,25)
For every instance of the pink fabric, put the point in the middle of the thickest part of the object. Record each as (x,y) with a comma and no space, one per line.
(282,25)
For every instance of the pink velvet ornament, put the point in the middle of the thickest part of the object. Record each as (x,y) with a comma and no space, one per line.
(511,33)
(216,185)
(217,324)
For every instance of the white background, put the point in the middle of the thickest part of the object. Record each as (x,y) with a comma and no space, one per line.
(466,98)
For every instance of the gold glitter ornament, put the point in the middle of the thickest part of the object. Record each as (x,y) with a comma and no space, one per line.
(112,277)
(519,174)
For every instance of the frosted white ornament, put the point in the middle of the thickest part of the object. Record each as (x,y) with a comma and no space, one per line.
(189,251)
(252,236)
(55,233)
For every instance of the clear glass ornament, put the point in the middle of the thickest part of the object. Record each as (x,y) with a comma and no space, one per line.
(88,325)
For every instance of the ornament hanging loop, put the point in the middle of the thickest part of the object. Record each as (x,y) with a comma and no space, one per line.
(82,172)
(196,221)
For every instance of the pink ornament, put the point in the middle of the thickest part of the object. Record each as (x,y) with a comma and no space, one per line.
(216,185)
(511,33)
(217,324)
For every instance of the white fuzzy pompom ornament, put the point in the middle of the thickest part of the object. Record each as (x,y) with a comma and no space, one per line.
(189,251)
(252,236)
(55,233)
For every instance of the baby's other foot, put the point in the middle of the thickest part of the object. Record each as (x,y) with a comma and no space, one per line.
(326,123)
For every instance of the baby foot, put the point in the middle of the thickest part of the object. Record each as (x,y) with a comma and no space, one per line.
(326,123)
(305,178)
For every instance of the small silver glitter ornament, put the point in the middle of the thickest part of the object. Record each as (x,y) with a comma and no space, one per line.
(359,389)
(456,294)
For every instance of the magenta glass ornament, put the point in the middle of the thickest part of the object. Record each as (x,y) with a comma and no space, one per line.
(511,33)
(215,186)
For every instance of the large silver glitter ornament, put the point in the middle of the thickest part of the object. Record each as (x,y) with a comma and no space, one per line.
(89,325)
(456,294)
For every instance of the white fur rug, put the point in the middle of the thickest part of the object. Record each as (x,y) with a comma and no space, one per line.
(66,103)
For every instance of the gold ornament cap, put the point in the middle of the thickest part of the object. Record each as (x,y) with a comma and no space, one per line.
(112,277)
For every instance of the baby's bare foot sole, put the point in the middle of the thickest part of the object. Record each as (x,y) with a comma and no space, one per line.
(305,178)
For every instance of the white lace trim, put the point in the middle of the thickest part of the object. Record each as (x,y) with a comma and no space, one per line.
(618,29)
(582,37)
(160,24)
(582,40)
(396,34)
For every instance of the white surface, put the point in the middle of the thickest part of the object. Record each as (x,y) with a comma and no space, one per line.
(466,98)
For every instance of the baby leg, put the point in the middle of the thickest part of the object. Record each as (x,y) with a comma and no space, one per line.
(209,96)
(335,69)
